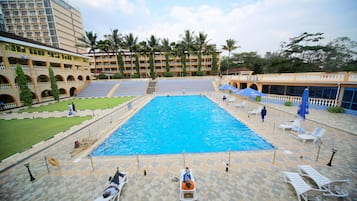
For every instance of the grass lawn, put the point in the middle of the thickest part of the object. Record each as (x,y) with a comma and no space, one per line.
(81,104)
(19,135)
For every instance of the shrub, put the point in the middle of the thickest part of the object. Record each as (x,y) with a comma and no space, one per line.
(118,76)
(288,103)
(168,74)
(135,75)
(258,98)
(336,109)
(200,73)
(102,76)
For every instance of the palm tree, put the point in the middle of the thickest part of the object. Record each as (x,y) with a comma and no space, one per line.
(201,42)
(153,44)
(130,42)
(179,51)
(166,47)
(115,41)
(230,46)
(187,42)
(89,41)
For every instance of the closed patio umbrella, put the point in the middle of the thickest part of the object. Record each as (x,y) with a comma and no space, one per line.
(304,105)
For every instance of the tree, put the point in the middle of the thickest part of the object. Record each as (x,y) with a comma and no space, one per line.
(166,47)
(213,52)
(250,60)
(201,44)
(116,41)
(54,87)
(230,46)
(153,44)
(130,42)
(89,41)
(25,92)
(179,51)
(187,43)
(137,66)
(342,54)
(143,50)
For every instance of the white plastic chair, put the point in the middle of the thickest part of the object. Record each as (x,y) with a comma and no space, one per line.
(314,136)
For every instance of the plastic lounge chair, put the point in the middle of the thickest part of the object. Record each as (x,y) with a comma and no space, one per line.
(123,179)
(241,105)
(187,195)
(255,111)
(334,188)
(303,190)
(314,136)
(295,125)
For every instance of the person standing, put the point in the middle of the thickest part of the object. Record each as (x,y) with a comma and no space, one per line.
(74,107)
(263,113)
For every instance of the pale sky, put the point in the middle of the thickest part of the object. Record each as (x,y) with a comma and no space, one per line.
(257,25)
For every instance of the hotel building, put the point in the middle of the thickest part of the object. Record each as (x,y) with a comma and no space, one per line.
(53,22)
(71,70)
(106,63)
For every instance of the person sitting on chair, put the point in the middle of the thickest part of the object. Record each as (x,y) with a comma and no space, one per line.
(114,182)
(187,183)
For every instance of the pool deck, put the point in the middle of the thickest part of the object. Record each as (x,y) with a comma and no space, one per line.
(252,175)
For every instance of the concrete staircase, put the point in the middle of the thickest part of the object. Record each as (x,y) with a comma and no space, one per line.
(152,87)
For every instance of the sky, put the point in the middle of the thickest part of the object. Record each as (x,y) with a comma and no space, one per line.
(257,25)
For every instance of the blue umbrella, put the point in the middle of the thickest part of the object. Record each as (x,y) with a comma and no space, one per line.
(228,87)
(304,105)
(249,92)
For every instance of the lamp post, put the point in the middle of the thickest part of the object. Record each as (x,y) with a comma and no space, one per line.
(333,153)
(27,165)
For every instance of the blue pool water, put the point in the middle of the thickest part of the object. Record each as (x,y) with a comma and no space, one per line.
(176,124)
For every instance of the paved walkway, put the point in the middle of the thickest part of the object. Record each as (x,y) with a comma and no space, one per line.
(253,175)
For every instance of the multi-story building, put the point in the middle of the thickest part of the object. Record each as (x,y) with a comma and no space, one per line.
(106,63)
(71,70)
(53,22)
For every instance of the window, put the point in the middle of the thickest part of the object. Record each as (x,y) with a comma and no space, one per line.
(27,27)
(22,5)
(25,19)
(33,19)
(31,5)
(32,12)
(29,33)
(13,5)
(18,27)
(8,20)
(17,20)
(35,26)
(23,13)
(15,13)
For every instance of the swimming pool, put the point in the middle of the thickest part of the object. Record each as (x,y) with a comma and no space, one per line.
(176,124)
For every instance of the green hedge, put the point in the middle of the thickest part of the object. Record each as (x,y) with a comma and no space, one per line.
(336,109)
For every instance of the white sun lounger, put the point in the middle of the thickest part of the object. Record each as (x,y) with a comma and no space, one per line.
(187,195)
(303,190)
(241,105)
(295,125)
(334,188)
(255,111)
(115,196)
(314,136)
